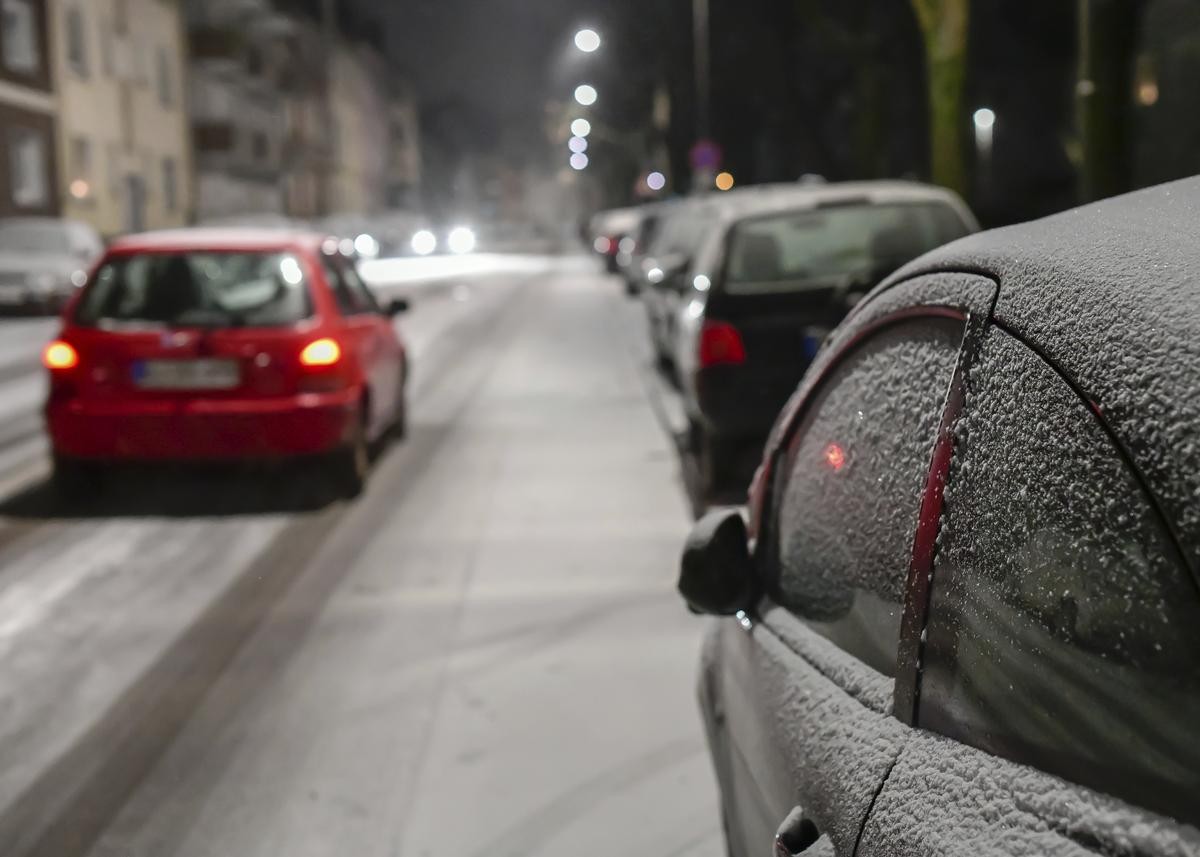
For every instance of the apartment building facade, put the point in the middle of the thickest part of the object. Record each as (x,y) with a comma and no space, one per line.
(28,163)
(124,144)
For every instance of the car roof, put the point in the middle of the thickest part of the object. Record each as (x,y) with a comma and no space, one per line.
(1109,293)
(218,238)
(769,198)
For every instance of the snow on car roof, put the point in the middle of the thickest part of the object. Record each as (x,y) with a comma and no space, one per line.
(1110,293)
(224,238)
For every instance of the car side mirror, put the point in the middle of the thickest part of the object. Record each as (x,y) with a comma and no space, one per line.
(716,574)
(397,306)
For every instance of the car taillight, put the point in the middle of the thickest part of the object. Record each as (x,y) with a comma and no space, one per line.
(321,352)
(60,356)
(720,344)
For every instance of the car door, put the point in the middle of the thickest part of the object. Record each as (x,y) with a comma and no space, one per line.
(802,691)
(369,332)
(1059,684)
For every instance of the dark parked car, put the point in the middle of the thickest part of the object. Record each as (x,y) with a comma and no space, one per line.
(775,270)
(967,600)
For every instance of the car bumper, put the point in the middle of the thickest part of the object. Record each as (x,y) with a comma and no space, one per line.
(740,401)
(202,429)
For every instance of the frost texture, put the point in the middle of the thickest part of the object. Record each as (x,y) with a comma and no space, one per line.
(847,526)
(1111,292)
(831,747)
(966,291)
(1062,632)
(944,798)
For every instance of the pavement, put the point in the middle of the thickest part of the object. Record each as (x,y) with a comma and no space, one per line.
(483,655)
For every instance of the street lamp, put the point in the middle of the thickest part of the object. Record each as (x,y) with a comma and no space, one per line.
(656,181)
(577,145)
(585,94)
(587,40)
(985,125)
(581,128)
(579,161)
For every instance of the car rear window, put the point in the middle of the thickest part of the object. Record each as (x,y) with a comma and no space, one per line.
(203,289)
(1064,628)
(863,243)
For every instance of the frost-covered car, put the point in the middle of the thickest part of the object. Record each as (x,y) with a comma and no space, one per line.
(966,603)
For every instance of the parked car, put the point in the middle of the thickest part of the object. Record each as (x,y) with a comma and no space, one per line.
(967,604)
(224,345)
(641,239)
(43,261)
(607,228)
(771,275)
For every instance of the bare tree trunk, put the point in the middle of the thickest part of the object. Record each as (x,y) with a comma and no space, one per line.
(944,27)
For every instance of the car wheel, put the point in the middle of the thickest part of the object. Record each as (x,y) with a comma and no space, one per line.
(349,465)
(75,481)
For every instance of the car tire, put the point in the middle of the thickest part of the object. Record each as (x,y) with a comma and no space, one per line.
(75,481)
(349,465)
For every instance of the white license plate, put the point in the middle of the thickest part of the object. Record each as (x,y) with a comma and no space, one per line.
(186,374)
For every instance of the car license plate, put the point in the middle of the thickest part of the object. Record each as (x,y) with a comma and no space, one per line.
(209,374)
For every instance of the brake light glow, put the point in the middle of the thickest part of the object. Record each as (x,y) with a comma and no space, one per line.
(721,343)
(59,355)
(321,352)
(835,456)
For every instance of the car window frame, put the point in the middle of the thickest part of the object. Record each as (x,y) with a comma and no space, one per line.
(332,266)
(916,591)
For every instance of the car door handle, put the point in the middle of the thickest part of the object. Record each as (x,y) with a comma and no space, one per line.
(796,835)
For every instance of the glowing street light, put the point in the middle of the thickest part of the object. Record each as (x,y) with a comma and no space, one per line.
(585,94)
(581,127)
(724,181)
(656,181)
(577,145)
(579,161)
(587,40)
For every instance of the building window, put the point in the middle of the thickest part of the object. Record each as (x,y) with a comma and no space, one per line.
(81,168)
(164,77)
(106,45)
(170,177)
(27,168)
(22,53)
(77,55)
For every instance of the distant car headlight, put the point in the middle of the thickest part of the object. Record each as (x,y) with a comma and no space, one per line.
(461,240)
(367,246)
(424,242)
(79,279)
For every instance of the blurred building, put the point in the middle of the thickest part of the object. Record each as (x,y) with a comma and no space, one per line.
(238,106)
(404,161)
(361,129)
(28,174)
(123,137)
(295,112)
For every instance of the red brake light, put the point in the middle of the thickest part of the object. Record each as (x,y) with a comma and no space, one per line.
(59,355)
(720,343)
(321,352)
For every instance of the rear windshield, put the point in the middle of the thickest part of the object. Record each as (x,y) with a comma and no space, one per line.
(200,289)
(861,243)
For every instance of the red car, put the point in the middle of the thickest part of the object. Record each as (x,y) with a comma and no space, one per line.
(209,345)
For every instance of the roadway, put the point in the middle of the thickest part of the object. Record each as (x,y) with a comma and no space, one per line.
(483,655)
